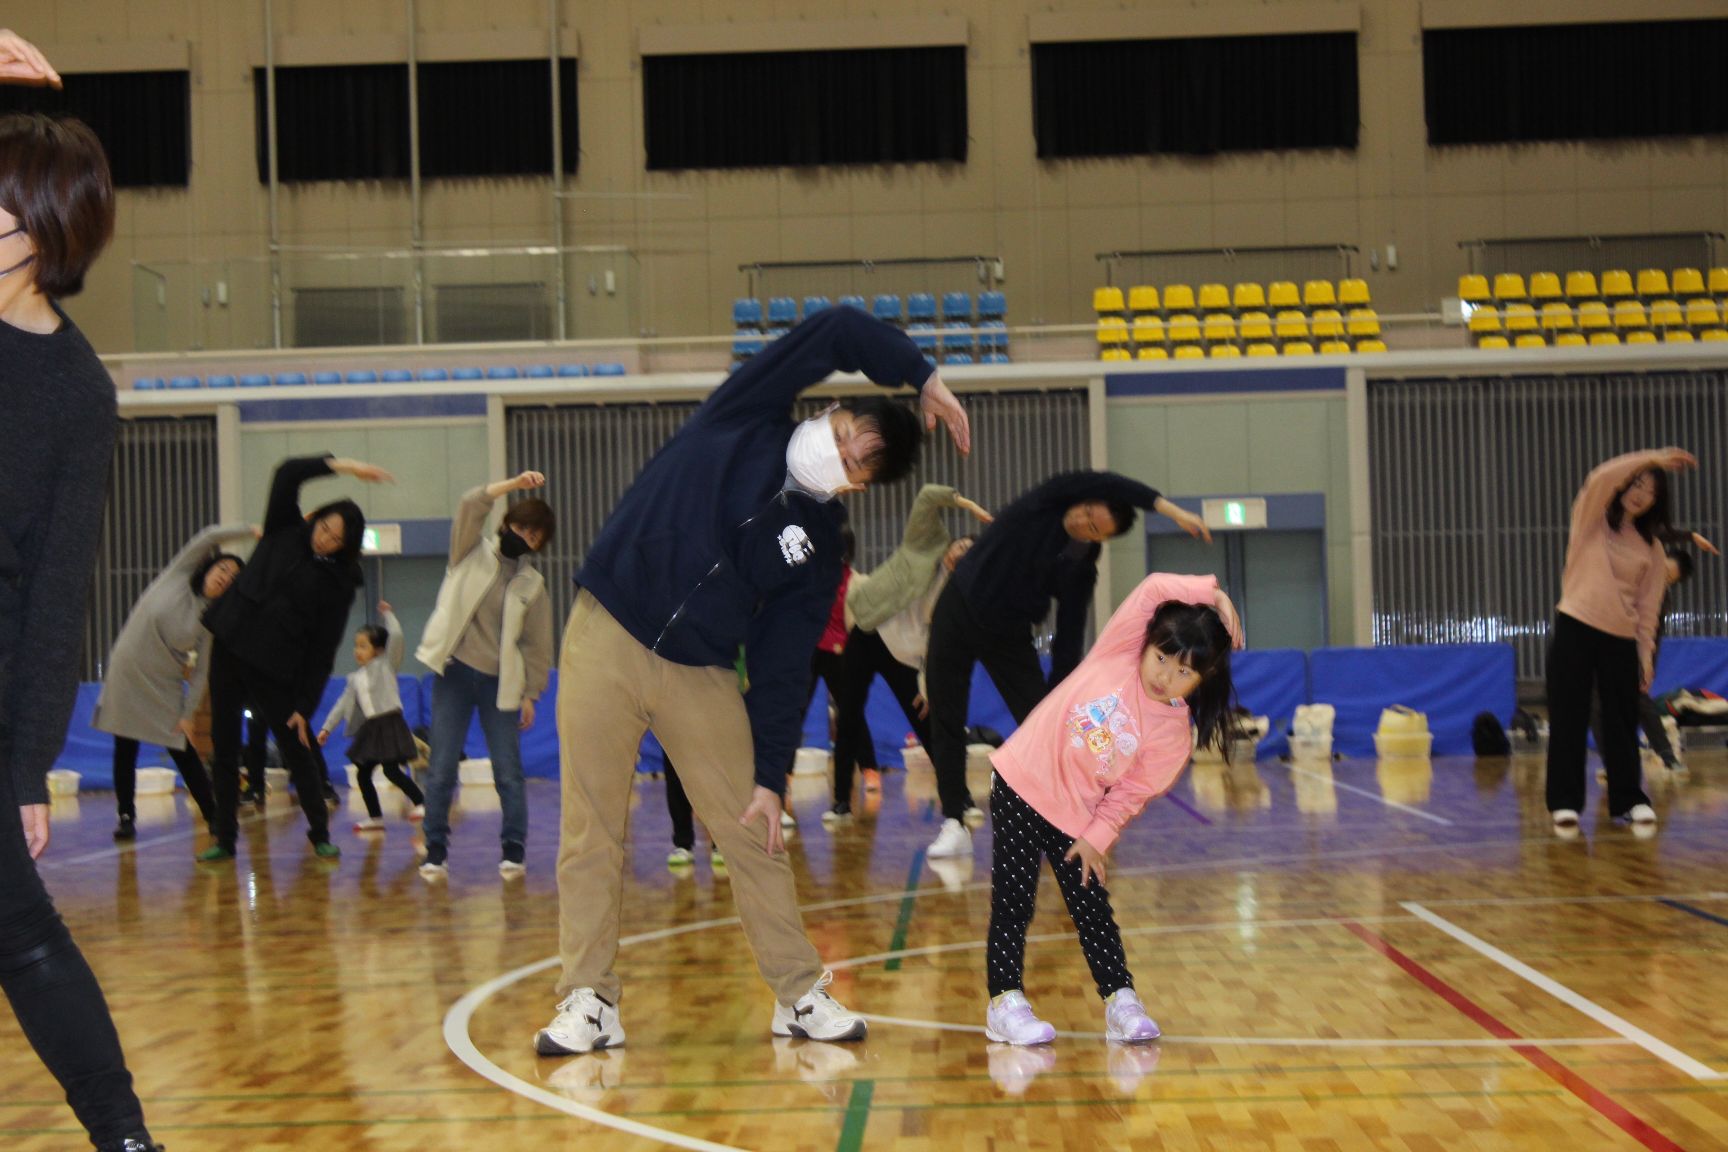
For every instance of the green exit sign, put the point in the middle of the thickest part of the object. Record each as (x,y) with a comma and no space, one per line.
(1235,514)
(1238,513)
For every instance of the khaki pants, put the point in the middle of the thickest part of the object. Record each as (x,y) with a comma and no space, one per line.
(610,690)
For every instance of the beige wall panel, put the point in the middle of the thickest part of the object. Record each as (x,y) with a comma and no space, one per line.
(1009,130)
(1164,226)
(1687,163)
(899,189)
(678,286)
(1612,165)
(452,208)
(813,192)
(69,20)
(1466,171)
(1109,182)
(1541,213)
(817,237)
(1249,224)
(742,194)
(959,234)
(1455,218)
(156,212)
(1056,292)
(1320,175)
(679,197)
(309,209)
(1247,176)
(313,18)
(1541,168)
(1175,180)
(1608,211)
(960,187)
(889,235)
(1014,242)
(1688,209)
(520,210)
(1321,222)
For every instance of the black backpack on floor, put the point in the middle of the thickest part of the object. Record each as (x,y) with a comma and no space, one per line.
(1487,737)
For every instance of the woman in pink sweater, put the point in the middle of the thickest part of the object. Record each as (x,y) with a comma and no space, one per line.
(1116,733)
(1604,636)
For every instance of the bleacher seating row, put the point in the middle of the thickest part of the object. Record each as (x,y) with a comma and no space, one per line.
(1290,333)
(388,376)
(1280,295)
(1650,284)
(919,308)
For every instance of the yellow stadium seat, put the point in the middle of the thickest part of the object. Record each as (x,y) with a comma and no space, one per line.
(1327,324)
(1363,322)
(1677,336)
(1688,282)
(1256,326)
(1616,282)
(1713,335)
(1115,354)
(1666,314)
(1557,316)
(1570,340)
(1112,330)
(1291,326)
(1148,330)
(1652,282)
(1493,342)
(1353,293)
(1581,285)
(1142,298)
(1593,314)
(1702,313)
(1183,329)
(1717,284)
(1189,352)
(1214,297)
(1334,348)
(1630,314)
(1641,336)
(1544,286)
(1530,341)
(1247,296)
(1107,300)
(1151,354)
(1220,326)
(1484,320)
(1178,298)
(1370,345)
(1318,294)
(1225,352)
(1472,289)
(1298,348)
(1283,294)
(1509,286)
(1262,350)
(1520,317)
(1598,339)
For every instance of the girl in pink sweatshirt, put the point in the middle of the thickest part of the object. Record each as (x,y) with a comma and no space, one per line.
(1604,636)
(1116,733)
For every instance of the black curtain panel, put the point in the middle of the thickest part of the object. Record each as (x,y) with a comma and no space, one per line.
(1195,97)
(336,122)
(798,109)
(144,120)
(494,118)
(1576,82)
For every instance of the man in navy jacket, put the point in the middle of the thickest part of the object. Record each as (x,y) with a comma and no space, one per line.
(730,536)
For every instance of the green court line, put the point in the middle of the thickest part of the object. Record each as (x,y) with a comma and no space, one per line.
(857,1116)
(907,903)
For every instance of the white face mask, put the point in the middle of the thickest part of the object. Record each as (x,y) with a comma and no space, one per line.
(813,457)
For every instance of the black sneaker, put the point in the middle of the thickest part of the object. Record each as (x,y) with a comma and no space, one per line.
(127,829)
(254,795)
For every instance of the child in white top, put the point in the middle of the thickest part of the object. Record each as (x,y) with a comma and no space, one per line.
(382,737)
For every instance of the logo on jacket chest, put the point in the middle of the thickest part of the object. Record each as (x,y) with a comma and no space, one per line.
(795,545)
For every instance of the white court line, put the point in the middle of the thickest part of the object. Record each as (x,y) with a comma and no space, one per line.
(1657,1048)
(1371,795)
(1516,901)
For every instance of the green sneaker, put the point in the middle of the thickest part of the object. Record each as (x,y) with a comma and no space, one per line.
(327,850)
(215,854)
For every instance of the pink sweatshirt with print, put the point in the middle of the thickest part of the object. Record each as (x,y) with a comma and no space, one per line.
(1614,580)
(1098,748)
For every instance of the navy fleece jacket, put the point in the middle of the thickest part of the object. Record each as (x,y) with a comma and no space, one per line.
(710,548)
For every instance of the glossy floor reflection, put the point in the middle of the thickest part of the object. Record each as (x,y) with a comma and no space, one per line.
(1342,955)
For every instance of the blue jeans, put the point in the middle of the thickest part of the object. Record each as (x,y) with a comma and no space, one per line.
(455,696)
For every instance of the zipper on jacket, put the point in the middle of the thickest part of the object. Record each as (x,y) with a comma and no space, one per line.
(697,587)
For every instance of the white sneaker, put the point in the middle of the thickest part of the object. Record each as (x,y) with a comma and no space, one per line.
(1009,1019)
(1565,816)
(953,840)
(835,817)
(818,1016)
(585,1023)
(974,817)
(680,859)
(417,813)
(370,824)
(511,869)
(1014,1069)
(1125,1019)
(1642,814)
(787,820)
(432,871)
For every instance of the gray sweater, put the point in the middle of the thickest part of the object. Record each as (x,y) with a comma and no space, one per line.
(372,690)
(58,420)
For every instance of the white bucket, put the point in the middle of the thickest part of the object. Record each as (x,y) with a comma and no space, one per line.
(155,781)
(811,762)
(1394,745)
(478,771)
(63,782)
(1311,747)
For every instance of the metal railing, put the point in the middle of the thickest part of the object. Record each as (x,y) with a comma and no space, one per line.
(1598,254)
(836,278)
(1159,267)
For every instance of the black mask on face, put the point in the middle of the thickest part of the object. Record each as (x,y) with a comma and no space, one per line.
(512,546)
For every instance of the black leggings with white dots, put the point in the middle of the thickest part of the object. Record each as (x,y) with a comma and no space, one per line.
(1022,839)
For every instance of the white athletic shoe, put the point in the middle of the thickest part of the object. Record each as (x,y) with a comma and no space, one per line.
(1564,816)
(1642,814)
(511,869)
(680,859)
(1009,1019)
(1125,1019)
(974,817)
(370,824)
(431,871)
(818,1016)
(1014,1069)
(417,813)
(953,840)
(585,1023)
(787,820)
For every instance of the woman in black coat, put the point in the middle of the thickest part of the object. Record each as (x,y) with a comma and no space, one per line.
(276,635)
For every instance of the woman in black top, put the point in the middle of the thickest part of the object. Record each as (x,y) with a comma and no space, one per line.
(276,634)
(58,421)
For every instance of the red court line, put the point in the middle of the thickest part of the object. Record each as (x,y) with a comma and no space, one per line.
(1565,1077)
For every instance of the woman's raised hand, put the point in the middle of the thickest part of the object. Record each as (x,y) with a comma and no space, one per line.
(1675,459)
(528,481)
(360,470)
(975,508)
(21,62)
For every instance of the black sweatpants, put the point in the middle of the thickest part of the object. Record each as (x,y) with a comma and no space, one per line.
(867,657)
(185,759)
(957,642)
(54,994)
(1586,663)
(234,685)
(393,773)
(1022,839)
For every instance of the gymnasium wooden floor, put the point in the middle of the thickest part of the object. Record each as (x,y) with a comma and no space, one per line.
(1381,955)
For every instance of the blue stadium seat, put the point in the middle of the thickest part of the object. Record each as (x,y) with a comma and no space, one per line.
(957,358)
(609,369)
(149,384)
(956,306)
(996,358)
(886,307)
(502,372)
(185,382)
(538,371)
(326,377)
(467,374)
(288,379)
(745,345)
(854,302)
(397,376)
(219,382)
(815,304)
(782,312)
(921,308)
(361,378)
(255,380)
(993,334)
(992,305)
(434,374)
(568,370)
(923,335)
(747,313)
